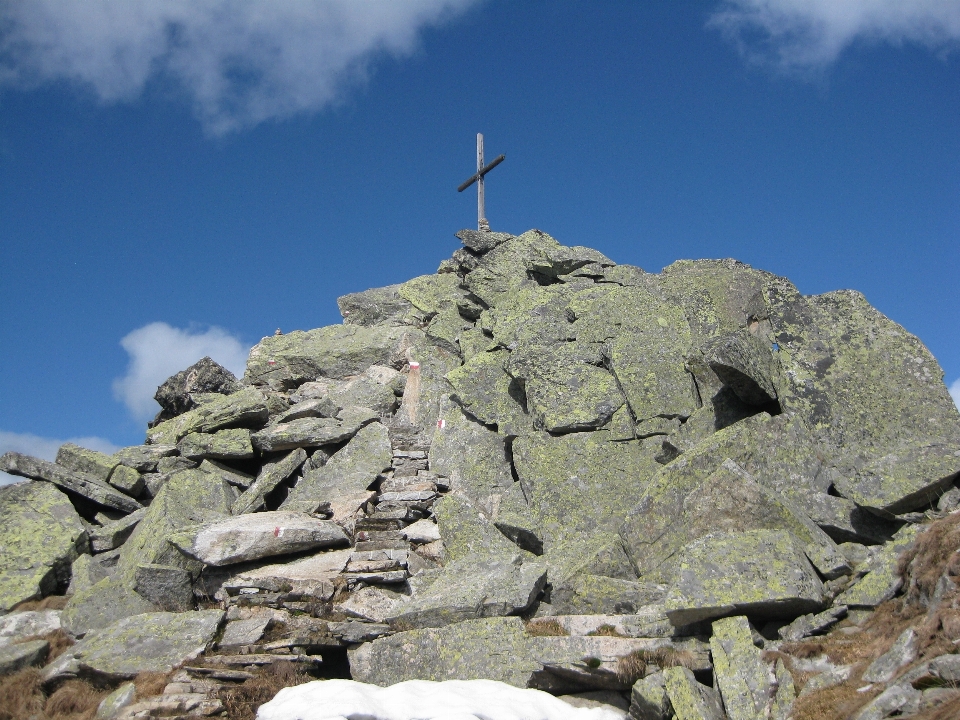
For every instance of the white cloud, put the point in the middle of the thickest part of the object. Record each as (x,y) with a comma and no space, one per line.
(158,350)
(807,34)
(955,392)
(45,448)
(239,61)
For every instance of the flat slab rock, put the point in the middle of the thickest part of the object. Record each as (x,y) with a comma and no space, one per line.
(152,642)
(259,535)
(18,625)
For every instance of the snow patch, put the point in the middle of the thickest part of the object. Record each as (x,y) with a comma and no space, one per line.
(423,700)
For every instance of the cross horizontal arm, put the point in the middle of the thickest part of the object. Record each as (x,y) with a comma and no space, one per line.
(483,171)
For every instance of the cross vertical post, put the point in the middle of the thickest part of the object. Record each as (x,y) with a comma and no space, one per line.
(482,170)
(482,223)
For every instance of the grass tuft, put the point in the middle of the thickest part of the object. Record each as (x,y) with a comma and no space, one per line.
(640,663)
(545,627)
(242,701)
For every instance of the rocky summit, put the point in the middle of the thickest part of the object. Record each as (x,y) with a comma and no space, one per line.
(535,466)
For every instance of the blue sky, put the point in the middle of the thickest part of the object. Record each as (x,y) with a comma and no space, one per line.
(180,179)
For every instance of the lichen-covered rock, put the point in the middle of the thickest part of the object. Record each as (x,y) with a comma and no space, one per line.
(126,480)
(335,351)
(166,587)
(255,536)
(745,363)
(374,306)
(311,577)
(865,385)
(758,572)
(145,458)
(231,444)
(564,386)
(152,642)
(678,508)
(474,586)
(596,594)
(474,457)
(271,474)
(309,432)
(466,531)
(85,485)
(40,536)
(741,674)
(649,699)
(349,471)
(15,657)
(485,390)
(90,462)
(880,580)
(502,271)
(245,408)
(579,484)
(904,480)
(482,241)
(204,376)
(689,699)
(113,535)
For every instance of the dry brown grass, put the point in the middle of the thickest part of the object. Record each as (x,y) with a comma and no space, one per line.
(150,683)
(934,554)
(51,602)
(242,701)
(634,666)
(836,703)
(544,627)
(74,699)
(22,696)
(606,631)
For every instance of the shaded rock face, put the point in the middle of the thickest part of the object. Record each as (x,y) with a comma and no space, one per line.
(535,465)
(175,396)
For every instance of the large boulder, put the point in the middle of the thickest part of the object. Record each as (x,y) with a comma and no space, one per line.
(41,535)
(152,642)
(474,457)
(335,351)
(758,572)
(90,462)
(244,408)
(678,508)
(474,586)
(260,535)
(204,376)
(373,307)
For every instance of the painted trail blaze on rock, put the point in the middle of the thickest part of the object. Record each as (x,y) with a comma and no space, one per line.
(534,466)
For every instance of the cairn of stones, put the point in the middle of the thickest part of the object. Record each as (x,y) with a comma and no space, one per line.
(533,466)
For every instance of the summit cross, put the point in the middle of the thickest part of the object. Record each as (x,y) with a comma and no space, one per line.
(477,178)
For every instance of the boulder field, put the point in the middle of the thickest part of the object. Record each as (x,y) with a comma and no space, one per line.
(535,466)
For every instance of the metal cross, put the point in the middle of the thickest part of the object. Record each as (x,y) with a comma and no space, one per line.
(482,170)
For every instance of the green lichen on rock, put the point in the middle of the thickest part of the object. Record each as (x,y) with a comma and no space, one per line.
(755,572)
(246,408)
(80,459)
(741,674)
(856,376)
(474,457)
(881,580)
(904,480)
(150,642)
(503,271)
(431,294)
(679,507)
(689,699)
(349,471)
(335,351)
(579,484)
(485,390)
(585,594)
(466,531)
(233,443)
(565,388)
(40,535)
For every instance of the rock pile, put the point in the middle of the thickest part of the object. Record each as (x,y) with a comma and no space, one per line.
(534,466)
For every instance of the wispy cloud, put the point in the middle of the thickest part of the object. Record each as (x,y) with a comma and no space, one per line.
(158,350)
(240,63)
(44,447)
(800,35)
(955,392)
